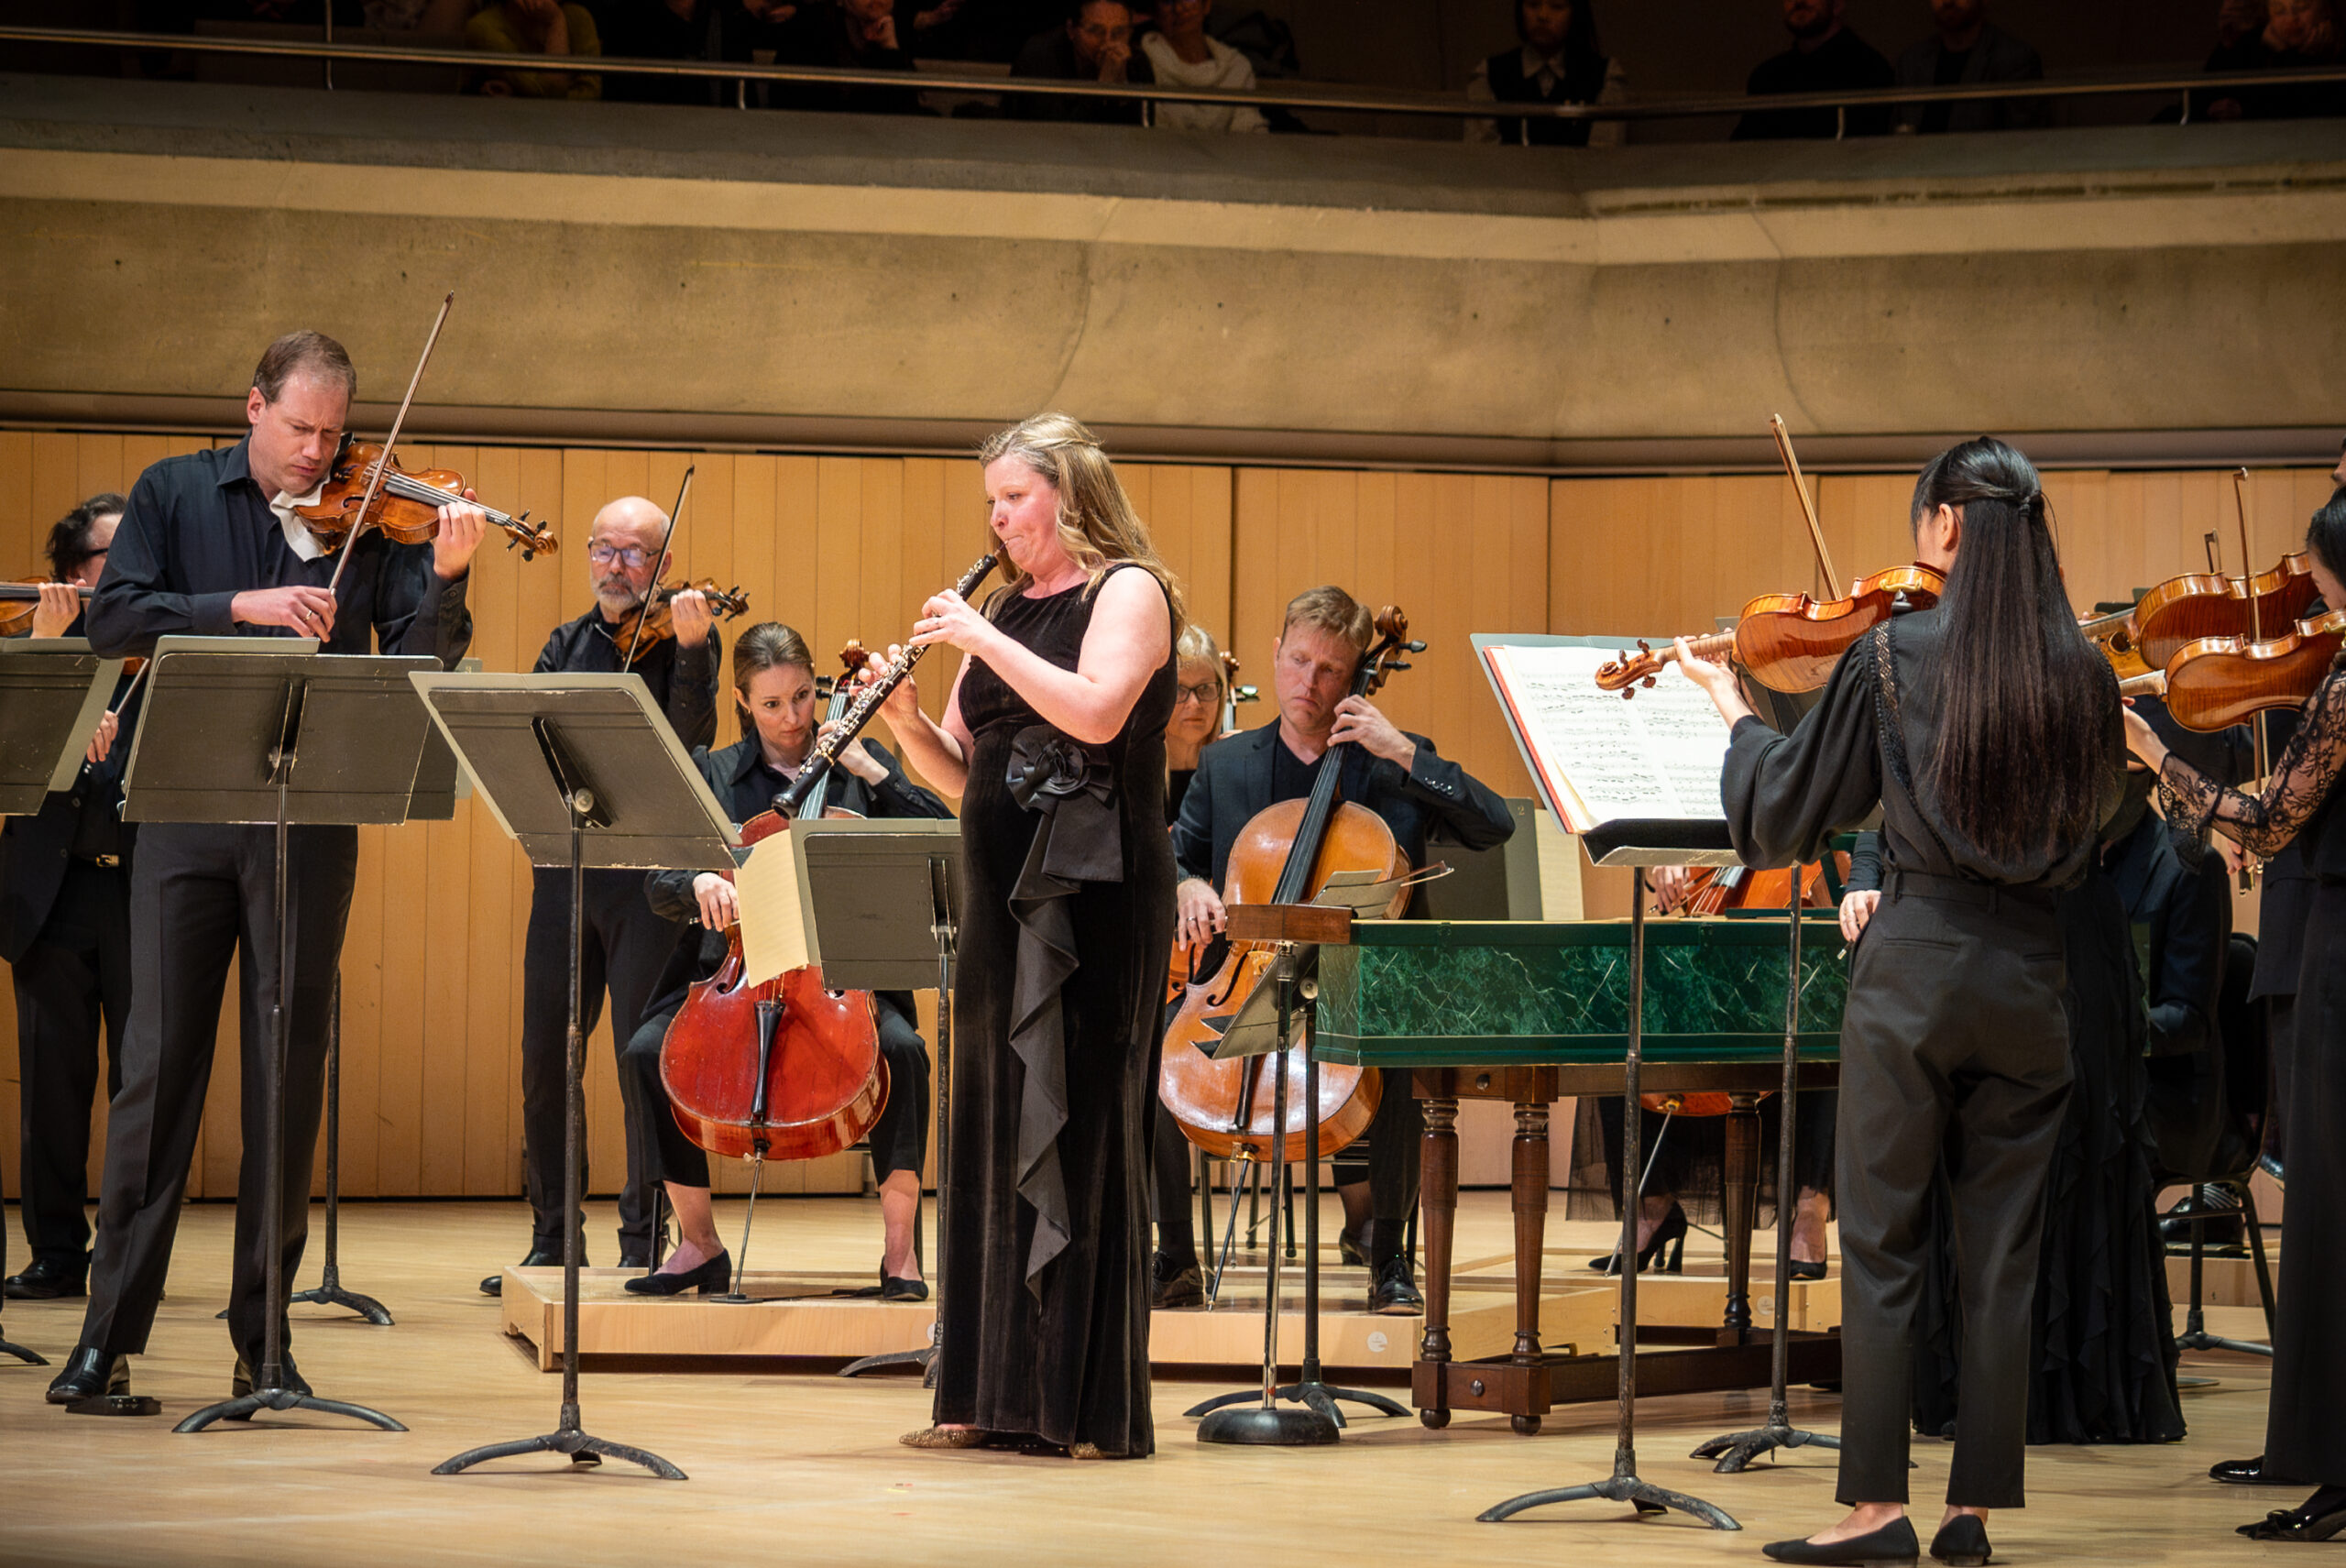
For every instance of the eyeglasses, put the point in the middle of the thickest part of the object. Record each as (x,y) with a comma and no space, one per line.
(630,557)
(1207,691)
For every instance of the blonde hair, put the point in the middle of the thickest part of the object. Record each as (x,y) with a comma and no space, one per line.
(1330,609)
(1097,525)
(1196,645)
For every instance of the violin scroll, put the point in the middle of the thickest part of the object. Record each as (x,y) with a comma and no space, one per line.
(1627,673)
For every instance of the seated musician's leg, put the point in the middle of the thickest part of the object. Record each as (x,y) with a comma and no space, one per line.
(678,1161)
(900,1140)
(1393,1141)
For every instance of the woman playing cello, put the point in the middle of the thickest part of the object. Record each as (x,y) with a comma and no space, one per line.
(1987,730)
(774,682)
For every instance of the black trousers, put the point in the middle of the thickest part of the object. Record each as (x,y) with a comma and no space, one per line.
(74,977)
(899,1137)
(1954,1026)
(2304,1437)
(201,897)
(626,948)
(1387,1156)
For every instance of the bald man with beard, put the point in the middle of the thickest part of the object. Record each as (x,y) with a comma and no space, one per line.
(625,943)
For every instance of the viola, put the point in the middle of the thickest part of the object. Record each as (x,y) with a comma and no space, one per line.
(2201,604)
(20,599)
(406,506)
(2214,683)
(1788,643)
(1284,855)
(652,620)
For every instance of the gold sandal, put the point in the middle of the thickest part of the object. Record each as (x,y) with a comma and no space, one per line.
(947,1437)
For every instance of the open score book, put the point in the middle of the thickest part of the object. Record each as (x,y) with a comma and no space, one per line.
(1597,757)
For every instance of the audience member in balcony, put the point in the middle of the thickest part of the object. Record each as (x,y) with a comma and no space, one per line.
(1093,45)
(1180,54)
(1825,57)
(682,29)
(1559,63)
(1967,49)
(934,29)
(544,27)
(416,16)
(2290,35)
(851,35)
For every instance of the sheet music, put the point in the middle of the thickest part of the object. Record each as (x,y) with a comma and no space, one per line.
(774,912)
(1600,757)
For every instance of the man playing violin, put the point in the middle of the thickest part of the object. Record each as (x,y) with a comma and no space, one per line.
(626,943)
(211,545)
(65,932)
(1395,773)
(774,681)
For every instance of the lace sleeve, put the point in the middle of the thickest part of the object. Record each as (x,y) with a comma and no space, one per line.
(2302,777)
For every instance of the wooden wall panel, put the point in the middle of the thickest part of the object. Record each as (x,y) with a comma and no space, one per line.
(842,547)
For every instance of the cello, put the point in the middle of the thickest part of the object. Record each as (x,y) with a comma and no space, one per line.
(787,1069)
(1284,855)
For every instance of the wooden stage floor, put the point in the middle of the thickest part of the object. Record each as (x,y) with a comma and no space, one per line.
(801,1466)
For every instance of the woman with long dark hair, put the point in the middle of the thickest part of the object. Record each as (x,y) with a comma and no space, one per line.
(1987,730)
(2304,1439)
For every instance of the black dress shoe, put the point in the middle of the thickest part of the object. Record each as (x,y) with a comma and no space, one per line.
(240,1382)
(1352,1248)
(1893,1543)
(540,1257)
(1802,1268)
(1962,1542)
(1175,1283)
(2319,1518)
(88,1373)
(1393,1292)
(710,1278)
(2247,1472)
(632,1257)
(51,1276)
(896,1288)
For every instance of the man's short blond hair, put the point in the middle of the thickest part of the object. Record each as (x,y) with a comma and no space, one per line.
(1330,609)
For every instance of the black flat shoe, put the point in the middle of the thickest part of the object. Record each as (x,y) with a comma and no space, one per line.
(1804,1269)
(88,1373)
(1175,1283)
(2247,1472)
(895,1287)
(540,1257)
(711,1277)
(2288,1524)
(1893,1543)
(49,1277)
(1394,1293)
(1962,1542)
(1669,1233)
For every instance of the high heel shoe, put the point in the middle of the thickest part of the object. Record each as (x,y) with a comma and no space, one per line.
(1962,1542)
(1670,1234)
(2318,1517)
(1802,1268)
(712,1277)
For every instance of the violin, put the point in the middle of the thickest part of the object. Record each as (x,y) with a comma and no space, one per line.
(2199,605)
(406,506)
(651,620)
(1788,643)
(785,1070)
(2214,683)
(20,600)
(1284,855)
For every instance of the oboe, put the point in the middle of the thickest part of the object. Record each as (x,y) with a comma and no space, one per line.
(867,703)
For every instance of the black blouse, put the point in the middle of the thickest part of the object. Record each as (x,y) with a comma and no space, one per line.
(2297,799)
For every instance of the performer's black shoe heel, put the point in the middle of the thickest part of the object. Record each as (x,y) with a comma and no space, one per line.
(710,1278)
(1962,1542)
(1893,1543)
(2319,1518)
(1669,1233)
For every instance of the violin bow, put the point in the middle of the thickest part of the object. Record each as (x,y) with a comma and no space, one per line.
(636,642)
(383,462)
(1807,506)
(2256,608)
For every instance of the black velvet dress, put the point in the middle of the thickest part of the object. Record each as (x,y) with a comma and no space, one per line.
(1067,917)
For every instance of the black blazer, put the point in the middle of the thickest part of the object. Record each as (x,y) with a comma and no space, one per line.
(1233,783)
(34,850)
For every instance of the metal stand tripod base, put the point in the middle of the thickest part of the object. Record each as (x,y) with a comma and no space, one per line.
(330,1293)
(1738,1449)
(1320,1397)
(1263,1426)
(244,1406)
(30,1358)
(580,1448)
(925,1359)
(1644,1496)
(2200,1338)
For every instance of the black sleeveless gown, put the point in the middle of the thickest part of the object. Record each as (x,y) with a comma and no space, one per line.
(1067,917)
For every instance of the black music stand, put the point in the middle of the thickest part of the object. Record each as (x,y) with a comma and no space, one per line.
(46,690)
(579,770)
(1638,844)
(252,731)
(1311,1388)
(432,799)
(886,895)
(1737,1450)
